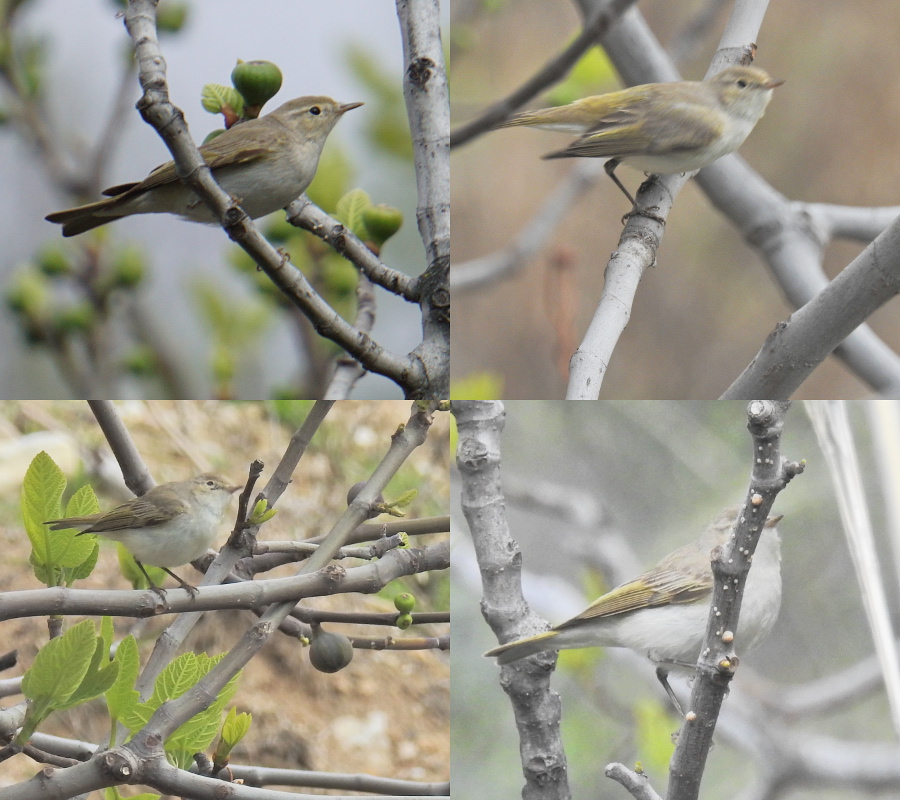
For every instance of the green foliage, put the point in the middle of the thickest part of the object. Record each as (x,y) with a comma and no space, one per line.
(29,294)
(261,512)
(292,413)
(235,327)
(388,126)
(30,60)
(57,557)
(382,222)
(654,735)
(213,134)
(216,98)
(404,501)
(234,728)
(198,732)
(332,179)
(592,74)
(122,697)
(112,793)
(76,318)
(128,268)
(69,670)
(53,261)
(477,386)
(141,361)
(349,211)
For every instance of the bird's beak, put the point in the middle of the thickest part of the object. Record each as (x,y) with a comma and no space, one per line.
(773,83)
(347,106)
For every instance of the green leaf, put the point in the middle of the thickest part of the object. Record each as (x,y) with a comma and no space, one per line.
(60,666)
(235,727)
(405,499)
(199,731)
(86,567)
(388,125)
(82,503)
(654,735)
(349,211)
(101,674)
(478,386)
(332,178)
(42,491)
(122,697)
(179,676)
(592,74)
(214,97)
(59,557)
(112,793)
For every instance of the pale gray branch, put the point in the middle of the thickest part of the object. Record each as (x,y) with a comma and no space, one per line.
(798,345)
(427,99)
(535,706)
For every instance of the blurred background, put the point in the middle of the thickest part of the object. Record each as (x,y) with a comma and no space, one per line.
(704,311)
(190,316)
(630,481)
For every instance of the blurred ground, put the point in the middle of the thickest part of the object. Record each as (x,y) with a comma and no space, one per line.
(387,713)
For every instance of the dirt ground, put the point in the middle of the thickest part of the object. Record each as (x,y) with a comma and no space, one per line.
(387,713)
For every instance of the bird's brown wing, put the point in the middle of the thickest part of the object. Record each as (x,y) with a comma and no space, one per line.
(250,143)
(622,134)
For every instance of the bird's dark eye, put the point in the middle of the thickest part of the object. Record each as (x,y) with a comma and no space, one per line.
(315,110)
(211,484)
(742,84)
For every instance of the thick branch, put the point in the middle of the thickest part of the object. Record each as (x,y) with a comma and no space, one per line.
(527,683)
(428,109)
(797,346)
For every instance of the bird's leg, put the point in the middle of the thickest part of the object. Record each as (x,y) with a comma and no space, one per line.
(153,587)
(191,590)
(662,673)
(636,210)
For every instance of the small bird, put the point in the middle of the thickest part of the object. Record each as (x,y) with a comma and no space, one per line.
(264,163)
(170,525)
(660,128)
(662,613)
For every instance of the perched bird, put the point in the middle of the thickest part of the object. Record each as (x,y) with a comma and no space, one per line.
(170,525)
(662,613)
(660,128)
(264,163)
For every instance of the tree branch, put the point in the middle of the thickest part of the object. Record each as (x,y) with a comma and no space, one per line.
(527,683)
(730,565)
(797,346)
(428,109)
